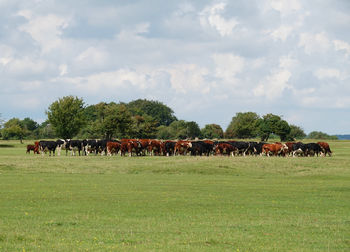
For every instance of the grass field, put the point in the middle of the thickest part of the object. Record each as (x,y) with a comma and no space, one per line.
(118,203)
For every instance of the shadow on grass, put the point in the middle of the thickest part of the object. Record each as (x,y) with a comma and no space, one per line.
(6,146)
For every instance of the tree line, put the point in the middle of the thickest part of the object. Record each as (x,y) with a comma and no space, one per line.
(69,117)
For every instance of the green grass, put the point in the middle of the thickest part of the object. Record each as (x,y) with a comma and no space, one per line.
(174,203)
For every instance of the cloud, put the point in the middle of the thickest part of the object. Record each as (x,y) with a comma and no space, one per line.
(210,17)
(325,73)
(314,43)
(340,45)
(46,30)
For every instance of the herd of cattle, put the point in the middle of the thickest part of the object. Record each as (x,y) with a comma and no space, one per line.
(141,147)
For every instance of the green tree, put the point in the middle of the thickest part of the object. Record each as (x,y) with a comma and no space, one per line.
(157,110)
(13,129)
(144,127)
(66,115)
(296,132)
(211,131)
(164,132)
(321,135)
(243,125)
(272,124)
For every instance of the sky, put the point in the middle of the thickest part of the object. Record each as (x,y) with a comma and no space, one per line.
(207,60)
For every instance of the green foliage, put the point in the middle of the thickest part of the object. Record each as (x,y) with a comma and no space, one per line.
(179,130)
(296,132)
(143,127)
(66,116)
(321,135)
(243,125)
(161,113)
(211,131)
(13,129)
(273,124)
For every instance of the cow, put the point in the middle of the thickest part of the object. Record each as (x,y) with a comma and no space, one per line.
(312,149)
(299,148)
(113,147)
(169,147)
(290,147)
(33,148)
(61,145)
(130,145)
(73,146)
(154,147)
(49,146)
(325,148)
(89,146)
(274,149)
(181,147)
(145,146)
(222,148)
(241,147)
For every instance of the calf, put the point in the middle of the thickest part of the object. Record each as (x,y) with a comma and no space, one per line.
(33,148)
(112,148)
(49,146)
(325,148)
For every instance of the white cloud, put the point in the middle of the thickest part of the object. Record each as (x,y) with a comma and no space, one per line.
(314,43)
(211,17)
(324,73)
(46,30)
(227,66)
(281,33)
(273,85)
(340,45)
(285,7)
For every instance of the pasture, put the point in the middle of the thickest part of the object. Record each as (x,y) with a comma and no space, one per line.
(183,203)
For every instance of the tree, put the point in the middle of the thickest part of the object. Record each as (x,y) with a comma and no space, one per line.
(272,124)
(13,129)
(243,125)
(321,135)
(67,116)
(143,127)
(157,110)
(211,131)
(296,132)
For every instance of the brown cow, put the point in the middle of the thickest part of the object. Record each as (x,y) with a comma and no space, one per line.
(154,147)
(131,145)
(325,148)
(31,147)
(112,148)
(224,148)
(275,149)
(144,145)
(181,147)
(290,147)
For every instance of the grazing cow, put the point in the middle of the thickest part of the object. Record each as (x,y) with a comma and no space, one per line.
(154,147)
(33,148)
(241,147)
(208,147)
(312,149)
(101,146)
(222,148)
(144,146)
(130,145)
(274,149)
(73,146)
(299,148)
(290,147)
(181,147)
(113,147)
(90,146)
(49,146)
(325,148)
(61,145)
(169,147)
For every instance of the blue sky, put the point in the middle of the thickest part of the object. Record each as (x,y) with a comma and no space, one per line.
(207,60)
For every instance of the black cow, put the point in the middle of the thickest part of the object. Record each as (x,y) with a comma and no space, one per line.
(74,145)
(255,148)
(61,145)
(312,149)
(169,148)
(299,148)
(242,147)
(49,146)
(89,146)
